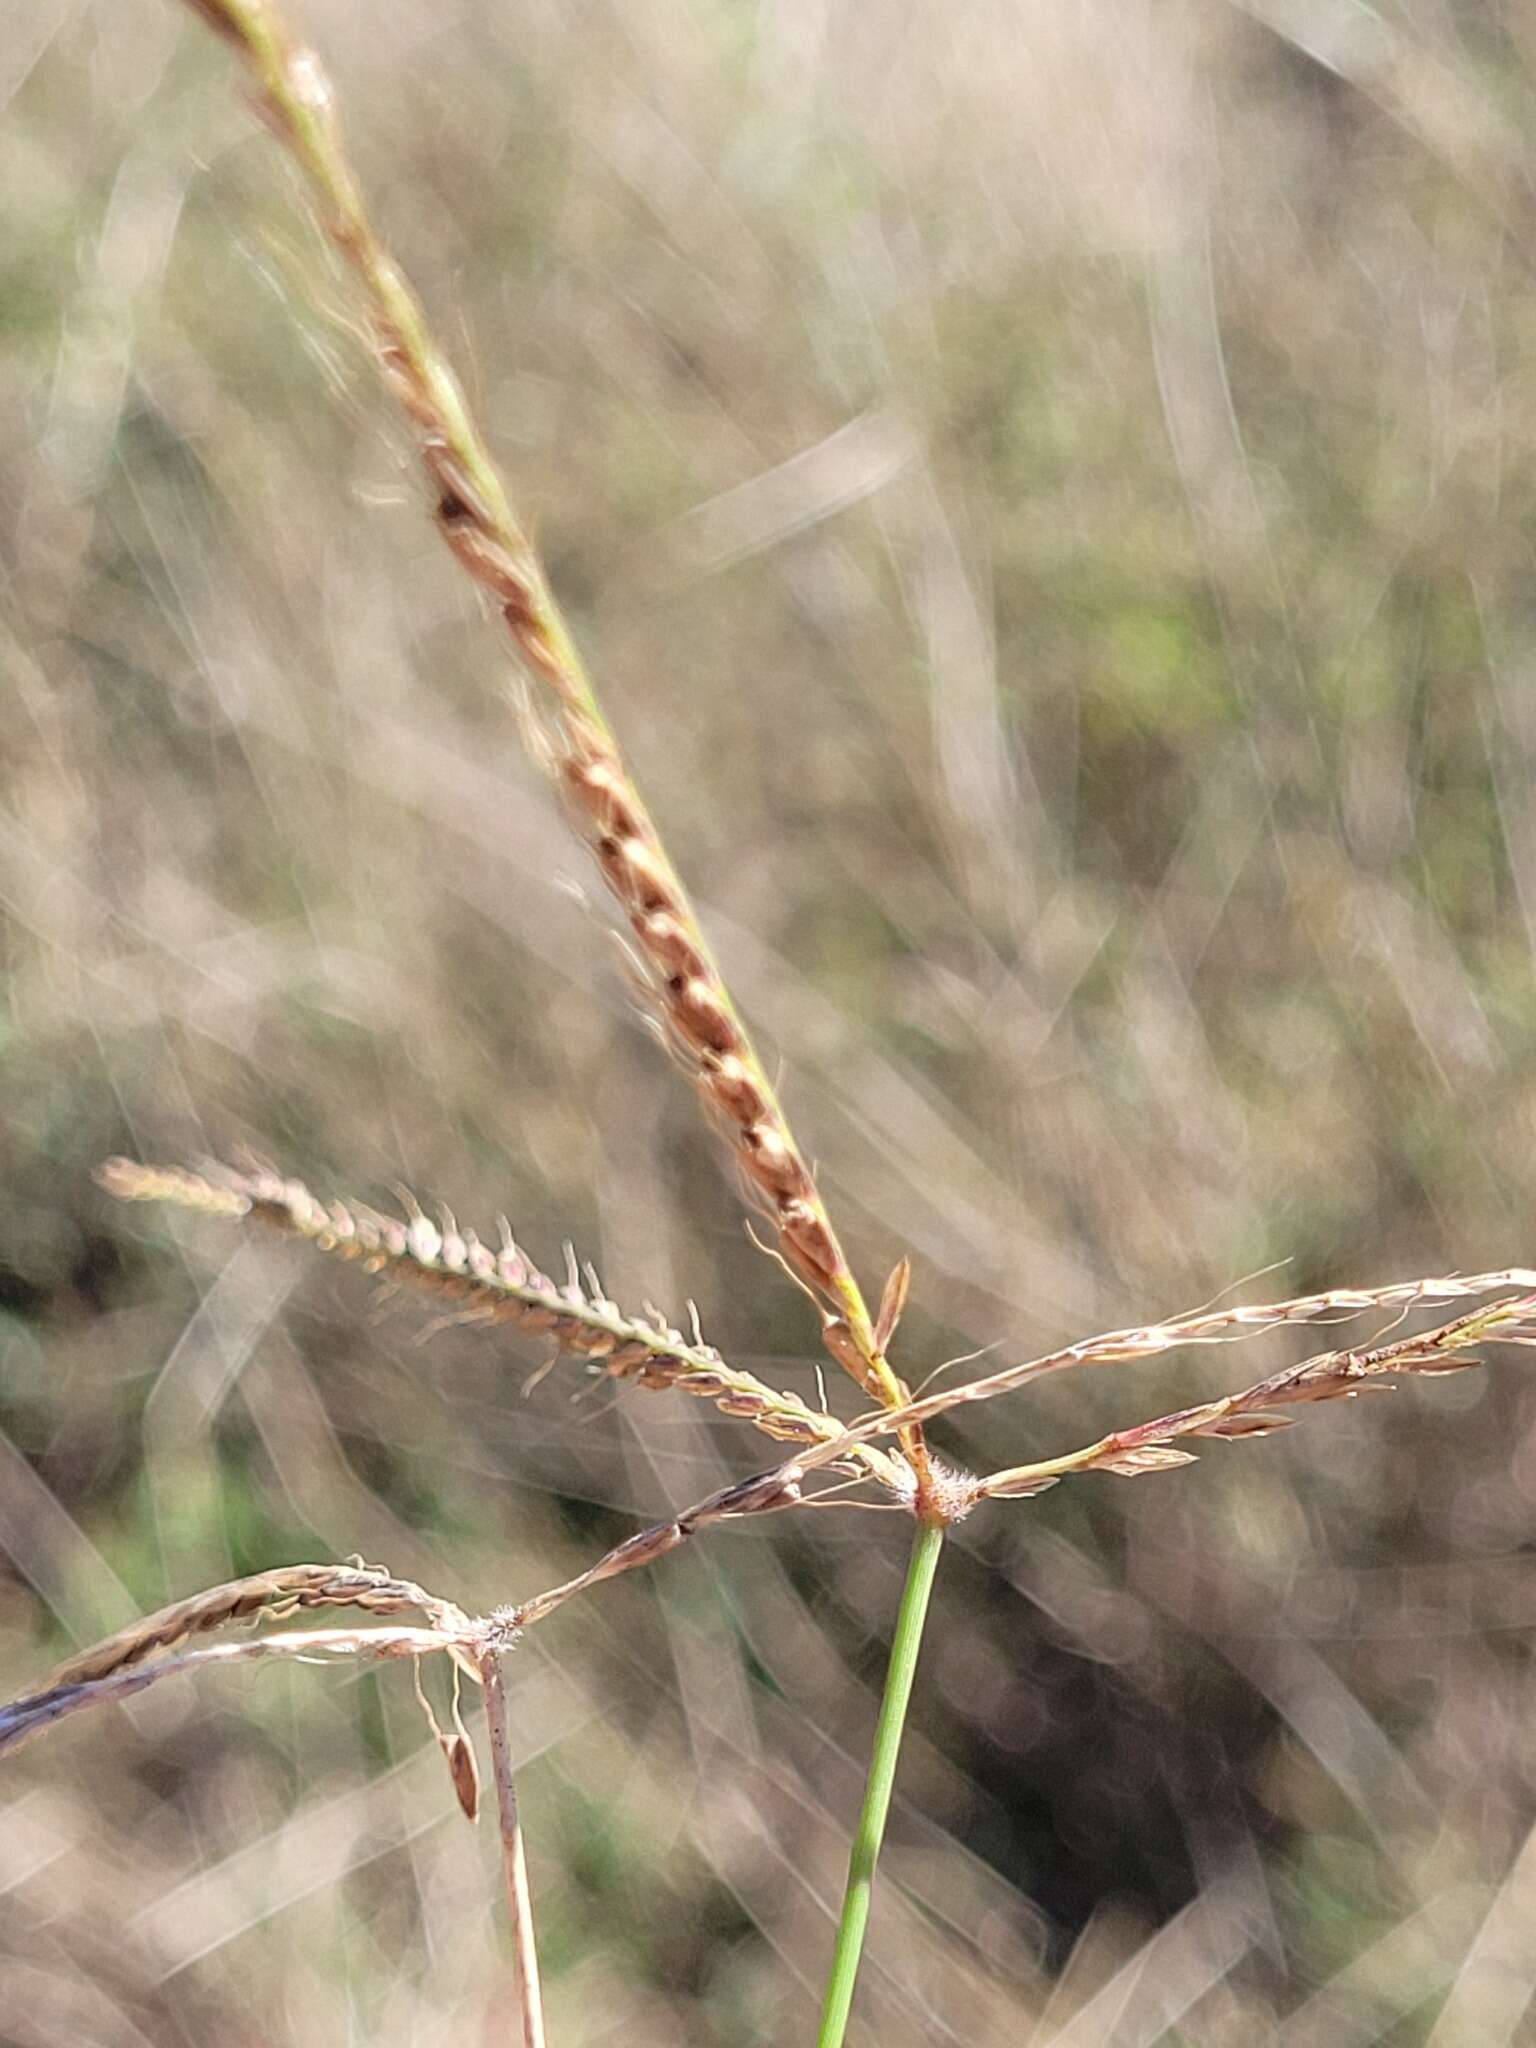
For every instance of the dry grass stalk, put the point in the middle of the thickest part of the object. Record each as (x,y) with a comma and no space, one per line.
(530,2003)
(765,1493)
(1330,1376)
(476,520)
(504,1287)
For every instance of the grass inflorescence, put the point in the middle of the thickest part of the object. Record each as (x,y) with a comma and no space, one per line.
(501,1286)
(498,1286)
(474,515)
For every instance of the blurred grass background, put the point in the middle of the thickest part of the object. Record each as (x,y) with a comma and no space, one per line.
(1047,493)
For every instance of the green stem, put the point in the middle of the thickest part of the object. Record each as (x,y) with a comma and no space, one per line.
(877,1786)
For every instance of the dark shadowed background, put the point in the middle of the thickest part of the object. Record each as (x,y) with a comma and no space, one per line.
(1047,493)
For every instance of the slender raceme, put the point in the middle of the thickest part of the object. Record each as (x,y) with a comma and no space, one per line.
(475,518)
(1224,1326)
(264,1596)
(485,1288)
(1330,1376)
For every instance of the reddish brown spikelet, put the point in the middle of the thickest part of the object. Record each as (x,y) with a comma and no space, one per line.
(728,1083)
(774,1165)
(669,947)
(464,1774)
(603,795)
(700,1016)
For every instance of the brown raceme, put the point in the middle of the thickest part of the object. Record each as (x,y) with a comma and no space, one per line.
(489,1286)
(267,1596)
(477,523)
